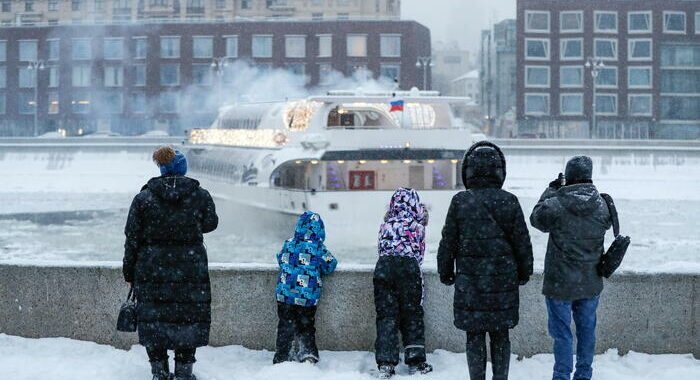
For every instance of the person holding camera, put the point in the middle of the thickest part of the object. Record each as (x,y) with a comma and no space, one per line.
(576,217)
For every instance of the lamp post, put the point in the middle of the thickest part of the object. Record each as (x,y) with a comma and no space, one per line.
(425,63)
(595,65)
(35,67)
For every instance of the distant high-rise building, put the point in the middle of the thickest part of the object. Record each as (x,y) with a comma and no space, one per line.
(449,62)
(609,69)
(497,80)
(54,12)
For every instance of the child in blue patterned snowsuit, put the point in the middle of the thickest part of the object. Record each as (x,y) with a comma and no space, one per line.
(398,285)
(302,260)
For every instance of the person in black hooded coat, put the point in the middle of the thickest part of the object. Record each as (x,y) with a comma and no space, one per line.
(486,253)
(166,261)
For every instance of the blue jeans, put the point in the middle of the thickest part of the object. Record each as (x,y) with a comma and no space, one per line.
(559,324)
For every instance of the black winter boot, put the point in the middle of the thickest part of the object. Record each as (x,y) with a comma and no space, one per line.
(183,371)
(422,368)
(161,371)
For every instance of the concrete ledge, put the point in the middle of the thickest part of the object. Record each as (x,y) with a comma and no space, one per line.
(651,313)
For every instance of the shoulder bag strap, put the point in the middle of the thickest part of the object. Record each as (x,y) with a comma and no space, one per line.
(613,213)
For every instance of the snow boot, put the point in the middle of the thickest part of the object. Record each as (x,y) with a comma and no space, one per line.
(422,368)
(310,359)
(386,371)
(183,371)
(160,370)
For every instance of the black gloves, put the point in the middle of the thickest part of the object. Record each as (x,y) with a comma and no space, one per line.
(557,183)
(448,280)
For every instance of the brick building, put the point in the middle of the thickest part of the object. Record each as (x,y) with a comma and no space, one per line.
(648,86)
(137,77)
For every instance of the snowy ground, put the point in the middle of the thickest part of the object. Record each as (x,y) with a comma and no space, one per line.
(60,358)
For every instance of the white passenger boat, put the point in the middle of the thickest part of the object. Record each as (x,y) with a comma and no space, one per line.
(341,155)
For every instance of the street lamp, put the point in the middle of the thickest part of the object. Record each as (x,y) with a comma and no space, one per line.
(595,65)
(218,65)
(35,67)
(425,63)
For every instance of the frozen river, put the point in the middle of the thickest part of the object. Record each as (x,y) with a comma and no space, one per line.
(57,207)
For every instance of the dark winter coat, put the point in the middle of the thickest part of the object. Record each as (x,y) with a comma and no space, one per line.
(485,248)
(576,218)
(166,260)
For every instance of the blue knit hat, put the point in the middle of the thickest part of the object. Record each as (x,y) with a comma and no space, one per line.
(178,166)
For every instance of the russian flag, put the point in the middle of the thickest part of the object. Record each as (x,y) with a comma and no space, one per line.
(396,106)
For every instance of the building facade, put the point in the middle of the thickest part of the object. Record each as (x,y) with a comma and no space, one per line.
(449,62)
(135,78)
(59,12)
(648,85)
(497,78)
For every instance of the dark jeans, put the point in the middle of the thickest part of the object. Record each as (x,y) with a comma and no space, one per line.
(157,354)
(296,323)
(398,299)
(559,324)
(500,354)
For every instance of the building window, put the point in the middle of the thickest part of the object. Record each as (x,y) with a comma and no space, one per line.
(113,102)
(80,102)
(100,5)
(639,22)
(607,77)
(29,6)
(3,51)
(680,55)
(680,82)
(317,16)
(113,48)
(170,47)
(571,76)
(220,4)
(295,46)
(81,75)
(697,23)
(571,49)
(170,74)
(343,16)
(201,74)
(605,22)
(390,45)
(358,69)
(2,103)
(537,49)
(140,47)
(325,46)
(605,48)
(202,47)
(391,72)
(81,49)
(76,5)
(674,22)
(53,103)
(3,77)
(139,75)
(640,105)
(357,45)
(680,108)
(113,76)
(138,102)
(54,50)
(53,76)
(640,50)
(231,46)
(606,104)
(571,22)
(6,6)
(571,104)
(537,76)
(53,5)
(537,21)
(343,3)
(26,103)
(245,4)
(27,77)
(168,102)
(537,104)
(296,68)
(262,46)
(639,77)
(27,51)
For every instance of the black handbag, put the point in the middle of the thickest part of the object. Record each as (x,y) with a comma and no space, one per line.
(612,259)
(126,322)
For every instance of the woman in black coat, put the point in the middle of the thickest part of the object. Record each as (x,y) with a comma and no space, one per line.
(486,253)
(166,261)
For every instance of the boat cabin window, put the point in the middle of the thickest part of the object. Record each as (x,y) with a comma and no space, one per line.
(380,116)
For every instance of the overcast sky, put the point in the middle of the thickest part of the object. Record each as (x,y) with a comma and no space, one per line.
(458,20)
